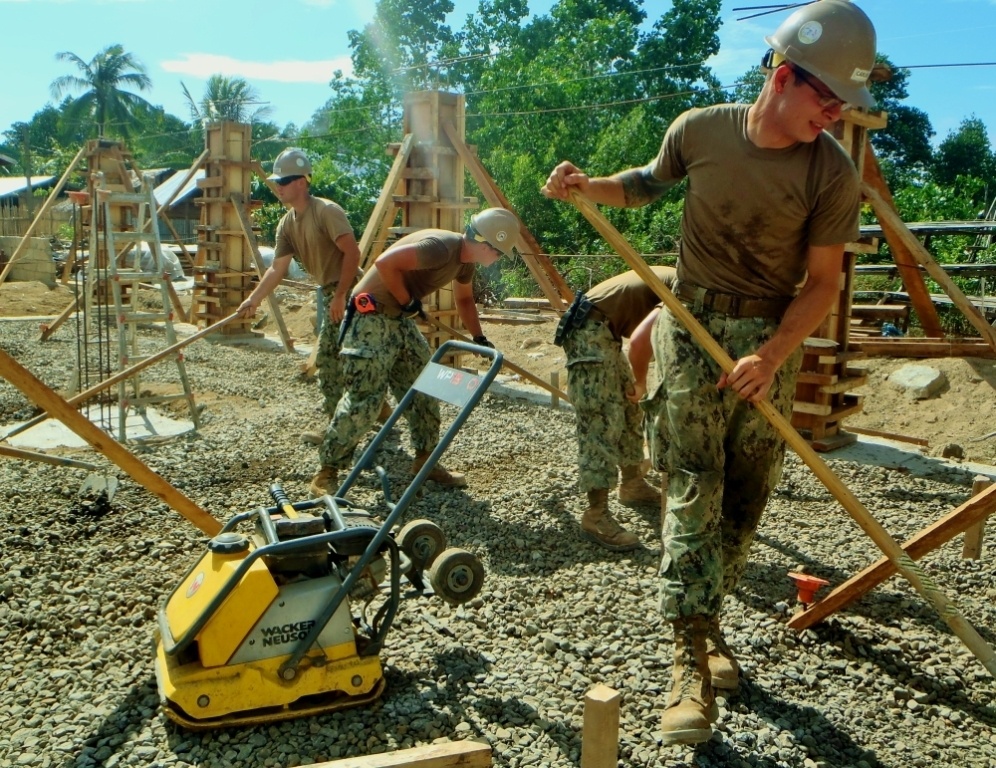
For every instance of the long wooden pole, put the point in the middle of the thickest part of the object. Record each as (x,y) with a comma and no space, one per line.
(22,246)
(900,559)
(44,397)
(127,373)
(59,461)
(505,363)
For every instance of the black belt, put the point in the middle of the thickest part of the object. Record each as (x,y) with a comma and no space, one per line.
(731,304)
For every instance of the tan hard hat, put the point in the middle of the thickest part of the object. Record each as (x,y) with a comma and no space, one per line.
(496,227)
(834,41)
(291,162)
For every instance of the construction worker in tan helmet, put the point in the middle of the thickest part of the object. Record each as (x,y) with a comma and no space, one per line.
(315,232)
(383,348)
(771,201)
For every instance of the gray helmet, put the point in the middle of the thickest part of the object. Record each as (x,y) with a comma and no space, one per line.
(291,162)
(834,41)
(496,227)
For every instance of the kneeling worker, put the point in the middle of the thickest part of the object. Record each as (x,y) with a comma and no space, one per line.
(382,346)
(600,384)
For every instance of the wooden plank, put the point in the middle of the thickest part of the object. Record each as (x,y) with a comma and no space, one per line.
(44,397)
(906,347)
(972,548)
(600,733)
(44,458)
(888,435)
(22,247)
(384,202)
(973,511)
(238,203)
(901,254)
(843,385)
(453,754)
(550,281)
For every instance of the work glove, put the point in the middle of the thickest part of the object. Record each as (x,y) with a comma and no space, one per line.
(482,341)
(413,308)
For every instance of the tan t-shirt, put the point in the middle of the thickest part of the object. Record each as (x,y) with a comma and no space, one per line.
(437,265)
(310,238)
(750,213)
(625,299)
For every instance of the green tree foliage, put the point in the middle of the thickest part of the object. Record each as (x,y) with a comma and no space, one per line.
(104,81)
(968,153)
(903,146)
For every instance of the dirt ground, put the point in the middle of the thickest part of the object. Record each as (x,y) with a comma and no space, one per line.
(963,414)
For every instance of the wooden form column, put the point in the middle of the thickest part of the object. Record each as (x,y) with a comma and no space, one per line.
(433,186)
(822,398)
(223,266)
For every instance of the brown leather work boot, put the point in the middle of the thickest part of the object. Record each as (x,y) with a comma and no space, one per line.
(691,709)
(439,473)
(634,488)
(325,482)
(724,670)
(598,525)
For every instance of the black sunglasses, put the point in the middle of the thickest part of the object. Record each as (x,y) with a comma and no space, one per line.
(827,98)
(286,180)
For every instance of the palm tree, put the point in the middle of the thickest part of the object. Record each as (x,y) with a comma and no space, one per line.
(103,81)
(226,98)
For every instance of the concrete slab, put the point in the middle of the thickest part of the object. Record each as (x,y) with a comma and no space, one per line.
(52,433)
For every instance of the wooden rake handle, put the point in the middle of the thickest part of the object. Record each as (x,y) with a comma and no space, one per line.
(903,562)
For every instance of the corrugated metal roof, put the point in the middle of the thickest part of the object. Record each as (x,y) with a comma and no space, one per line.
(11,185)
(165,190)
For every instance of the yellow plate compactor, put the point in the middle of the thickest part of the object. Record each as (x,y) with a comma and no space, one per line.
(288,617)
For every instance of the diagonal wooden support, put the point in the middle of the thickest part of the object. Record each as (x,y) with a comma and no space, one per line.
(49,201)
(239,205)
(973,511)
(44,458)
(384,209)
(902,561)
(550,281)
(908,269)
(888,216)
(44,397)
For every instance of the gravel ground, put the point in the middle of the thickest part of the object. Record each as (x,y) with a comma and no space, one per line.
(883,684)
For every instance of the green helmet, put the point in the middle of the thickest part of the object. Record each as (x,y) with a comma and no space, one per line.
(833,40)
(497,227)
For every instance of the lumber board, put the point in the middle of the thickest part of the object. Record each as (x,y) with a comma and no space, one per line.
(600,733)
(453,754)
(973,511)
(383,206)
(972,548)
(44,397)
(908,269)
(886,347)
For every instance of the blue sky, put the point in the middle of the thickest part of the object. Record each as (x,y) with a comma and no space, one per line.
(288,49)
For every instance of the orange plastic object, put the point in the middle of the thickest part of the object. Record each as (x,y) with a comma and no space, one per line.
(808,586)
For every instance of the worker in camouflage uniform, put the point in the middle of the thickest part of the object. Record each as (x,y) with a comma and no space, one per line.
(316,233)
(772,200)
(382,346)
(600,382)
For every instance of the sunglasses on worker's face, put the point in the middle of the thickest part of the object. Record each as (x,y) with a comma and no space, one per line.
(827,98)
(286,180)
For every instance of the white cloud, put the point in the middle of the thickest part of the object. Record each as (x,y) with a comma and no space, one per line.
(203,65)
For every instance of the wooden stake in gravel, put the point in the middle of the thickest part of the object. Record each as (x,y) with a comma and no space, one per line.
(903,562)
(600,735)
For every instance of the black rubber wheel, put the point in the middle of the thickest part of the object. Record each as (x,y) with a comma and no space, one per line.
(422,540)
(457,576)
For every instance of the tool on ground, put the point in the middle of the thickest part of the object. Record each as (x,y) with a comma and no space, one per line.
(507,364)
(287,611)
(927,588)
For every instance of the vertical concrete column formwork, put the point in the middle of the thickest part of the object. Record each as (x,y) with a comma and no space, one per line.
(822,398)
(433,188)
(223,265)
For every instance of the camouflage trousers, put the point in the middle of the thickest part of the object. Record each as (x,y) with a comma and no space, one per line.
(724,459)
(327,360)
(379,352)
(608,425)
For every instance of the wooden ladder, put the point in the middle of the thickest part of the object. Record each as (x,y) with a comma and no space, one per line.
(124,283)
